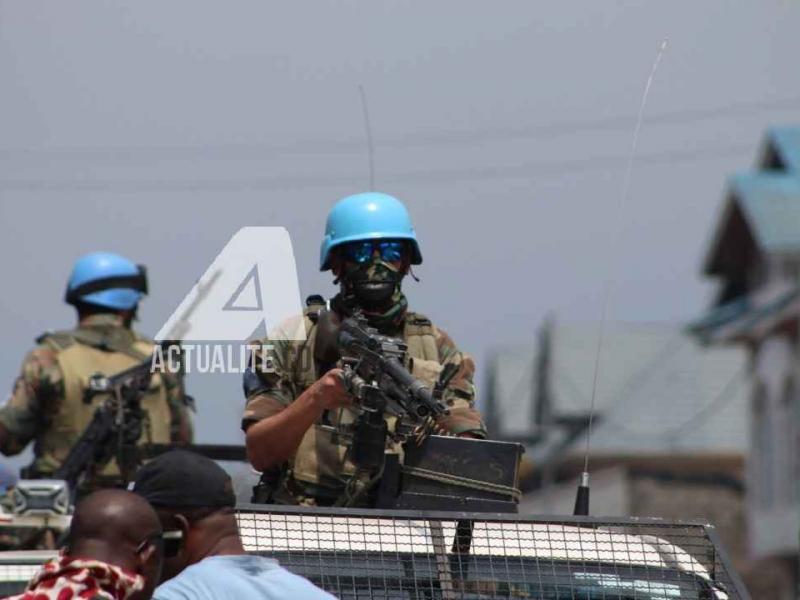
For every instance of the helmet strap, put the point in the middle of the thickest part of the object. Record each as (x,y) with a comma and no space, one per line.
(136,282)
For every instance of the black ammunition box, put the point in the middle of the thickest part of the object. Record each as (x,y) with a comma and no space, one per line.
(452,473)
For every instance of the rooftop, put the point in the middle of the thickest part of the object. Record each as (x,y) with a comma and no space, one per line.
(782,149)
(659,390)
(763,210)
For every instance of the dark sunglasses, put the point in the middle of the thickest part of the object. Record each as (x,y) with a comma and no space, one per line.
(172,543)
(361,252)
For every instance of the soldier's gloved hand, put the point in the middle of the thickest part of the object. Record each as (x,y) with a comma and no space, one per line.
(329,391)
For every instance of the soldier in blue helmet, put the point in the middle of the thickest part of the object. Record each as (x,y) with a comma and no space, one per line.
(369,246)
(48,405)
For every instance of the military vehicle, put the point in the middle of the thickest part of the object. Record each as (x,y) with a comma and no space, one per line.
(416,555)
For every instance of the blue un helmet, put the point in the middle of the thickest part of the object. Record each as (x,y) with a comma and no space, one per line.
(367,216)
(108,280)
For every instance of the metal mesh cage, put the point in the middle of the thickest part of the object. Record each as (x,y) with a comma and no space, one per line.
(358,554)
(17,568)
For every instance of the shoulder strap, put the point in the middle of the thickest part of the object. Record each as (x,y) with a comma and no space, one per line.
(314,304)
(420,337)
(61,340)
(418,324)
(57,340)
(315,299)
(303,366)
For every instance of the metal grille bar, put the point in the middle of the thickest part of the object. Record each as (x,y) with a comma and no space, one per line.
(356,553)
(360,554)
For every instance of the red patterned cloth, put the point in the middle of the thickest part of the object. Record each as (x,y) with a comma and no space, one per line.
(67,578)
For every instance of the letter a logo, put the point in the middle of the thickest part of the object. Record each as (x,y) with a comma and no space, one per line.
(252,284)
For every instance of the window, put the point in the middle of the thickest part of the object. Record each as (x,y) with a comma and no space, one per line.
(409,576)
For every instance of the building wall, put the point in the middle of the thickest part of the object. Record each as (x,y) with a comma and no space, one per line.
(679,493)
(712,502)
(724,506)
(609,496)
(774,464)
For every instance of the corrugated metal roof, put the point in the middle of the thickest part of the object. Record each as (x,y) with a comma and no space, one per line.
(785,142)
(655,385)
(771,205)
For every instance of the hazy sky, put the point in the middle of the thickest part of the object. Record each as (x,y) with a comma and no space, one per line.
(157,129)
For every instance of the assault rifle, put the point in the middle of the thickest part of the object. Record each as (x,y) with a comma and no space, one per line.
(375,375)
(115,427)
(438,472)
(373,362)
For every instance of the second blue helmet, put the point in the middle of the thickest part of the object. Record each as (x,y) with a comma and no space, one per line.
(108,280)
(366,216)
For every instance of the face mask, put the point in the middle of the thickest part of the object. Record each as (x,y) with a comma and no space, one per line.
(373,283)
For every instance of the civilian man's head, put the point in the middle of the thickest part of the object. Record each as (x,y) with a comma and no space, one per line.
(121,529)
(193,497)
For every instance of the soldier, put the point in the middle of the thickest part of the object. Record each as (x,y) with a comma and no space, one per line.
(369,245)
(49,405)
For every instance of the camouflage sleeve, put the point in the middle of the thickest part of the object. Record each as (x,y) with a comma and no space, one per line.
(37,391)
(460,392)
(181,427)
(268,385)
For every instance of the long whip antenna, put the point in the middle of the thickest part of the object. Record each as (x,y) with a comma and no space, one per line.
(582,499)
(368,127)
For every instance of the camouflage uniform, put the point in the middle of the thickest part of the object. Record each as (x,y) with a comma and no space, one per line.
(47,403)
(283,369)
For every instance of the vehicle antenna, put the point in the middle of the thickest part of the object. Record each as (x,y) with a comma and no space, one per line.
(368,127)
(582,496)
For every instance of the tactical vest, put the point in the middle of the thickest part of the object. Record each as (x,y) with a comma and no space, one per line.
(319,459)
(84,352)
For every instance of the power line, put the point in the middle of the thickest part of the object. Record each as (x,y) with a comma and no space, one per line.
(415,140)
(368,131)
(427,176)
(632,382)
(675,432)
